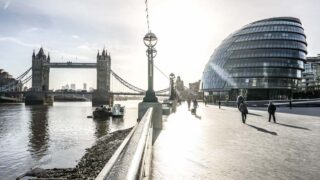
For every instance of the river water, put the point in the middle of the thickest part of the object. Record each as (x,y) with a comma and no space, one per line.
(52,136)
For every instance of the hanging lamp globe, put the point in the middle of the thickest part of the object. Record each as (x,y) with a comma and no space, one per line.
(172,76)
(151,51)
(150,39)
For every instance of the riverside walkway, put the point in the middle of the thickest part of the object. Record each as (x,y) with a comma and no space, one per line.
(218,146)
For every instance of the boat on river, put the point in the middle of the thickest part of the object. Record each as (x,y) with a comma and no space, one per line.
(102,111)
(106,111)
(118,110)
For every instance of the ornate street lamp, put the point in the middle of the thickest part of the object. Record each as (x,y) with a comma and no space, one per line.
(172,92)
(150,40)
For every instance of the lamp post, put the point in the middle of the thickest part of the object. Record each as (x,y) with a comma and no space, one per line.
(150,40)
(172,92)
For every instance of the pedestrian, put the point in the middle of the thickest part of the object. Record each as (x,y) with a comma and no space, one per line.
(240,100)
(205,101)
(195,106)
(244,111)
(189,103)
(290,104)
(178,100)
(272,110)
(219,104)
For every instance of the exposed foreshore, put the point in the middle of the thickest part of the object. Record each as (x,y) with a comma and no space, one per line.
(91,163)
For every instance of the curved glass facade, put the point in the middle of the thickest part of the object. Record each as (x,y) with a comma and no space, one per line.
(265,55)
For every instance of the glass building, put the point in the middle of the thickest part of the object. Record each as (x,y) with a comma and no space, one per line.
(263,60)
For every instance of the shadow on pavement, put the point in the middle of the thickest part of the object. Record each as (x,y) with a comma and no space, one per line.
(263,130)
(297,127)
(198,117)
(254,114)
(305,111)
(155,135)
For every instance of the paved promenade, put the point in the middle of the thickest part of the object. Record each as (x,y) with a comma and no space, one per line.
(218,146)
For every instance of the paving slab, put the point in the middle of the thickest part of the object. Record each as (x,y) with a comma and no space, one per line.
(215,144)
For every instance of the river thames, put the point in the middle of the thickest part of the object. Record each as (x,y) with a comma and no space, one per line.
(52,136)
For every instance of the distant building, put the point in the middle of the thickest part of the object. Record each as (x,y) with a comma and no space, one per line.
(73,87)
(25,88)
(194,90)
(181,89)
(91,89)
(179,84)
(309,86)
(8,83)
(313,65)
(65,87)
(194,87)
(4,74)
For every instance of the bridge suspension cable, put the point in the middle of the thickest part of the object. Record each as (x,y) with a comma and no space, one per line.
(161,72)
(26,80)
(164,74)
(162,91)
(125,83)
(24,74)
(130,86)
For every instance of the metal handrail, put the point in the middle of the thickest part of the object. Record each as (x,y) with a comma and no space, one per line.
(132,159)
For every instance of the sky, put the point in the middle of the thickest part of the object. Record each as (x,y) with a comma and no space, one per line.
(188,31)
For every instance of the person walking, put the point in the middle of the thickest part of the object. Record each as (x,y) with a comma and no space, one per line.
(272,110)
(244,111)
(195,106)
(189,103)
(240,100)
(219,104)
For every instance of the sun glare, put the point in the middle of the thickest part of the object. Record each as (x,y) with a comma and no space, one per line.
(181,26)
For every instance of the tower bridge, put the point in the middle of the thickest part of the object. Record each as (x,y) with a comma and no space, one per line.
(40,93)
(40,77)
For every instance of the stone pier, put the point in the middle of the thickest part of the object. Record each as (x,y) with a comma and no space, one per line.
(102,98)
(38,98)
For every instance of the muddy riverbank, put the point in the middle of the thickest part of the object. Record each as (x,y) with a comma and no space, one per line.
(91,163)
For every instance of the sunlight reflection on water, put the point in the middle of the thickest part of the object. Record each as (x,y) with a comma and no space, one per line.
(51,136)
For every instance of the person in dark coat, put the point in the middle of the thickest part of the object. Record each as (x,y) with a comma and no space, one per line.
(290,104)
(244,111)
(240,100)
(272,110)
(195,106)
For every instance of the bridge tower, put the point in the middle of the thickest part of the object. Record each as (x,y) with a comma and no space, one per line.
(40,78)
(102,94)
(40,73)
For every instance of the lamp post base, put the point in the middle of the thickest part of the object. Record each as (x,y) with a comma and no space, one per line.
(150,97)
(156,115)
